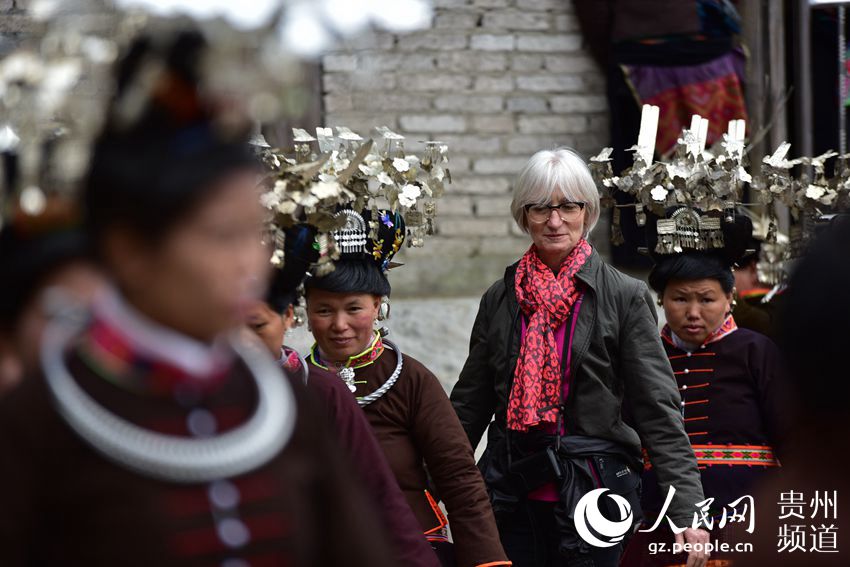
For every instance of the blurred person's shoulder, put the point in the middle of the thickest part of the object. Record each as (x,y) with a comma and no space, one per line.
(28,420)
(752,341)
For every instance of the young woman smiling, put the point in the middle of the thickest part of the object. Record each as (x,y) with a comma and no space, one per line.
(404,402)
(270,320)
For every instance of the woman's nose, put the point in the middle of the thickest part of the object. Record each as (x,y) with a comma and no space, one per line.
(554,219)
(338,322)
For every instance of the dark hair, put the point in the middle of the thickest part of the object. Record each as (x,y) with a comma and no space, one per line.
(27,262)
(691,266)
(298,255)
(152,166)
(352,276)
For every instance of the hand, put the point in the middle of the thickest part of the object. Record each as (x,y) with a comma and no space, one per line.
(692,536)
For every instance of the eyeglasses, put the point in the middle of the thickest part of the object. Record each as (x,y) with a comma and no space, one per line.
(567,211)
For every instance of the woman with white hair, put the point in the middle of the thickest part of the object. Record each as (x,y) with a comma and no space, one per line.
(562,348)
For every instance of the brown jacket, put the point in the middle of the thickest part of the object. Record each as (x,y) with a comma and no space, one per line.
(415,426)
(370,469)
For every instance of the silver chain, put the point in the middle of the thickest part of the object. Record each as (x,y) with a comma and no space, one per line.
(169,457)
(385,387)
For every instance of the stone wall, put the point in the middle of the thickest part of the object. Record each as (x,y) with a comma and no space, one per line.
(497,80)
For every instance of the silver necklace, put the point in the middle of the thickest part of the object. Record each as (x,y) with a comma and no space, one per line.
(305,370)
(169,457)
(347,374)
(385,387)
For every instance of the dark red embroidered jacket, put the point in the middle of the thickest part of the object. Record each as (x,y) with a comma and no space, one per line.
(62,503)
(736,410)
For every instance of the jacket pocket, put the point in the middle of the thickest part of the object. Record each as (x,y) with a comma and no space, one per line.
(615,474)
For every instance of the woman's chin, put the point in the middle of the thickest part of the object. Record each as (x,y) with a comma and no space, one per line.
(556,245)
(336,353)
(696,336)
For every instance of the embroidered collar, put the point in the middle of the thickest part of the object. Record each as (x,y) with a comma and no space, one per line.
(289,359)
(124,347)
(727,328)
(365,358)
(755,292)
(347,372)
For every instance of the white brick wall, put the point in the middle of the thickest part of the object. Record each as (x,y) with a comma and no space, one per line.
(497,80)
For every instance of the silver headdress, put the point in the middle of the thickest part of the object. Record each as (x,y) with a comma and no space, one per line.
(351,238)
(338,169)
(701,187)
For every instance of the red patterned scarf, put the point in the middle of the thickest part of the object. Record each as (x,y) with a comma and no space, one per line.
(547,300)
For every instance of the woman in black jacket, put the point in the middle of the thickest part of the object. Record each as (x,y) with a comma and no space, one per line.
(559,346)
(733,381)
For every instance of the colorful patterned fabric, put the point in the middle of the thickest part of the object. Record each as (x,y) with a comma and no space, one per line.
(747,455)
(757,292)
(365,358)
(713,90)
(110,353)
(547,300)
(735,455)
(290,361)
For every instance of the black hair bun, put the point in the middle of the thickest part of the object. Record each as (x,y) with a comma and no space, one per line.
(389,239)
(352,276)
(299,253)
(691,266)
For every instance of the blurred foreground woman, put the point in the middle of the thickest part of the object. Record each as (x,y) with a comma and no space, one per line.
(150,436)
(45,269)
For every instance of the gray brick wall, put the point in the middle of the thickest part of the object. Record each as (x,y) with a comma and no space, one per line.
(497,80)
(15,26)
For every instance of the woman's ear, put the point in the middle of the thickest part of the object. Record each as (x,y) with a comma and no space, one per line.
(376,307)
(288,317)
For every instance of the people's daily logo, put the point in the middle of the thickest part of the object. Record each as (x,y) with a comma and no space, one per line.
(593,527)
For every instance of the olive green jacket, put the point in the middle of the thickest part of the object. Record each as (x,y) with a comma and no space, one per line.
(618,363)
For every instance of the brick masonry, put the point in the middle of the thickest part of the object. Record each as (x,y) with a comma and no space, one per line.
(497,80)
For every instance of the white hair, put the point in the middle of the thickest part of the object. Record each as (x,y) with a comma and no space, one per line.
(549,171)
